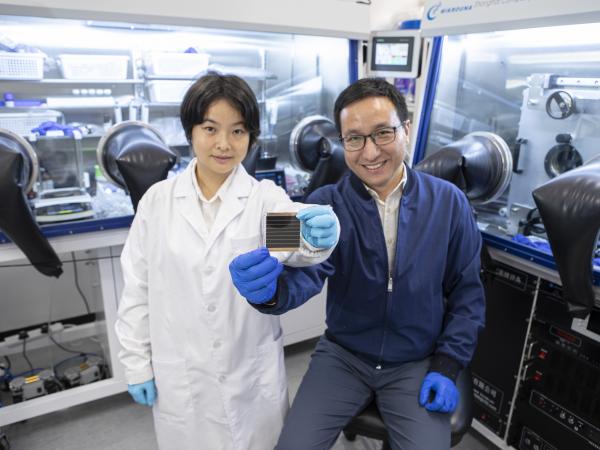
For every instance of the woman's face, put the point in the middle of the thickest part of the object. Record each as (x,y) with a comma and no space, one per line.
(220,142)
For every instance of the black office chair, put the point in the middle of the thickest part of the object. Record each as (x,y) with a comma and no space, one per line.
(369,423)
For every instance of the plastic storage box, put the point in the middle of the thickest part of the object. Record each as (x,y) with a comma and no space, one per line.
(21,123)
(165,64)
(168,91)
(94,67)
(21,66)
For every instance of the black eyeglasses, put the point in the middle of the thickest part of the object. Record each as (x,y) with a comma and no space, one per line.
(382,136)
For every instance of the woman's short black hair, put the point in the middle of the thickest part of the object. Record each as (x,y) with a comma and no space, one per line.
(369,87)
(215,86)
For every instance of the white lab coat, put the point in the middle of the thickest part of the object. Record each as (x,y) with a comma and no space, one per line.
(217,362)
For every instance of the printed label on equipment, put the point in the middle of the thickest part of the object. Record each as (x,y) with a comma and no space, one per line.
(487,394)
(513,277)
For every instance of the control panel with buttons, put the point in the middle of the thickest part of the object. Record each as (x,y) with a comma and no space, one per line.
(565,417)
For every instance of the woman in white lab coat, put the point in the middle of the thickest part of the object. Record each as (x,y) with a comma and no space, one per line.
(209,363)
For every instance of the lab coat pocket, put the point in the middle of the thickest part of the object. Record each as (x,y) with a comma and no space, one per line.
(173,399)
(240,245)
(271,370)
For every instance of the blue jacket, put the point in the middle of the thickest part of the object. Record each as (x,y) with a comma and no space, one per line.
(433,304)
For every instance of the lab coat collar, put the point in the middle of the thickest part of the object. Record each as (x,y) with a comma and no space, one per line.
(238,187)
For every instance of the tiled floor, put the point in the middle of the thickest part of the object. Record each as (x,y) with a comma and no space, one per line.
(116,423)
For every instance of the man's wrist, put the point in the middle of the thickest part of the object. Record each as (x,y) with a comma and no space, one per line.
(445,365)
(273,301)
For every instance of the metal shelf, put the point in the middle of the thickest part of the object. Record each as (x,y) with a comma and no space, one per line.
(164,104)
(75,107)
(248,77)
(175,104)
(94,81)
(248,73)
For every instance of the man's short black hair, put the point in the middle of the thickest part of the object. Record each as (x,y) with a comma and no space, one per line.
(213,87)
(365,88)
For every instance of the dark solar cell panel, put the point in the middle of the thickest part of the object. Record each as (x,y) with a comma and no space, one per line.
(282,231)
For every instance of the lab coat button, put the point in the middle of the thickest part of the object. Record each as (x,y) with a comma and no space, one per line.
(217,344)
(221,378)
(212,308)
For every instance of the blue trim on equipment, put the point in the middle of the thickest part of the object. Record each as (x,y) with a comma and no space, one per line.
(84,226)
(528,253)
(414,24)
(353,59)
(431,83)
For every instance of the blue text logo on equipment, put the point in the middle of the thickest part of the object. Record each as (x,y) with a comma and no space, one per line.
(438,9)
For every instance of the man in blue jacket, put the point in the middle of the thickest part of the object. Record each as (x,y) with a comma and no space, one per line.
(405,301)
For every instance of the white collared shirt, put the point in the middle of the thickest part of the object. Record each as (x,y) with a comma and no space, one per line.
(388,213)
(210,208)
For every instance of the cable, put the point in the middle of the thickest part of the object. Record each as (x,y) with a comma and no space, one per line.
(533,223)
(87,306)
(25,355)
(81,355)
(68,350)
(59,383)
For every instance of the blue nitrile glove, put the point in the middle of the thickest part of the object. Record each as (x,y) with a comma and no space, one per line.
(143,393)
(444,392)
(254,274)
(43,128)
(319,227)
(538,243)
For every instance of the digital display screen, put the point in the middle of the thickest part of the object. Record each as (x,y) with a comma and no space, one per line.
(277,176)
(392,53)
(594,322)
(566,336)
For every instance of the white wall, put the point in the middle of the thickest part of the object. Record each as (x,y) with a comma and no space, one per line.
(385,14)
(343,18)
